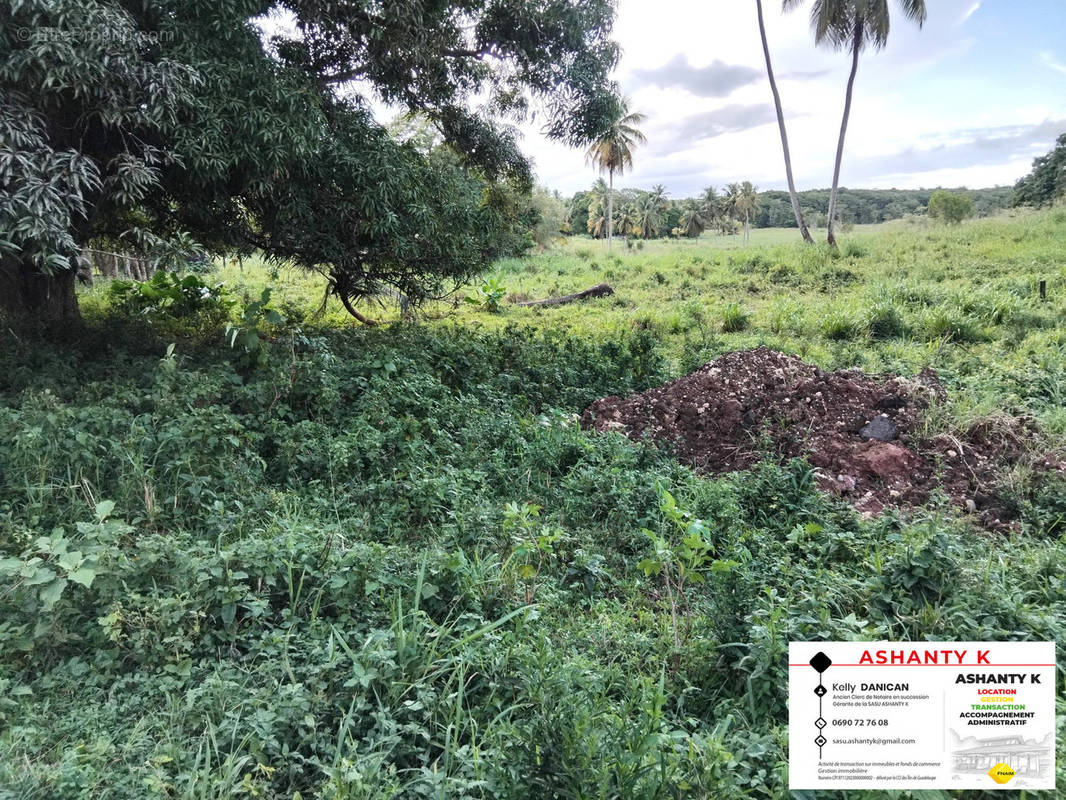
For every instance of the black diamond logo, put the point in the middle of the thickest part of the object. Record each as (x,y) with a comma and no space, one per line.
(821,723)
(821,662)
(820,740)
(820,690)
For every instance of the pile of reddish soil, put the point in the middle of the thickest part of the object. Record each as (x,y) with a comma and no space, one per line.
(860,432)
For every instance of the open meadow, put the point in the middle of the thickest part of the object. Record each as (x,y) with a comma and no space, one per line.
(338,561)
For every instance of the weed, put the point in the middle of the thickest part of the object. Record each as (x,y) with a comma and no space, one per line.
(839,325)
(735,318)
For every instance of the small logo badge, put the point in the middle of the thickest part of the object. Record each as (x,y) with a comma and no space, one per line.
(1001,773)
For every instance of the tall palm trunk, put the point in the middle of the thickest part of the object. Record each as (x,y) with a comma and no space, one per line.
(804,232)
(610,207)
(747,229)
(856,46)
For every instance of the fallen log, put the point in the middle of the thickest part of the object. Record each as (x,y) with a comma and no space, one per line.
(600,290)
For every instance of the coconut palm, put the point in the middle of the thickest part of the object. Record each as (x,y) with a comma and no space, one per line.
(806,234)
(731,201)
(627,220)
(692,222)
(613,151)
(713,206)
(597,219)
(855,24)
(651,210)
(746,204)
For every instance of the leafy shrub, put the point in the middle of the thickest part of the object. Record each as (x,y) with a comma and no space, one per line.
(950,207)
(1044,511)
(489,294)
(173,303)
(922,573)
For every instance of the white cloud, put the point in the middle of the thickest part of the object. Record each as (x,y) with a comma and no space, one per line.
(1050,60)
(916,116)
(970,12)
(925,110)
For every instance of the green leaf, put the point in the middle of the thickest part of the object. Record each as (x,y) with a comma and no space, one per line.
(51,592)
(724,566)
(84,576)
(527,572)
(70,561)
(104,509)
(650,566)
(229,613)
(35,576)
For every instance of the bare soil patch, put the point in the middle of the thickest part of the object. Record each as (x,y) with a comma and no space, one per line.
(861,432)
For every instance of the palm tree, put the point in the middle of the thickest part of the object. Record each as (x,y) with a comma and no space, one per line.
(712,206)
(806,234)
(628,219)
(854,24)
(692,222)
(613,151)
(597,221)
(731,201)
(747,203)
(651,210)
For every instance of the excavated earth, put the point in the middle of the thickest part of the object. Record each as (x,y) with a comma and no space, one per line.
(861,432)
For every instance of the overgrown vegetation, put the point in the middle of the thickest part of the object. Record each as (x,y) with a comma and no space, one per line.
(387,562)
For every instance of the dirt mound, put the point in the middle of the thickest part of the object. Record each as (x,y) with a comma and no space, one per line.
(861,432)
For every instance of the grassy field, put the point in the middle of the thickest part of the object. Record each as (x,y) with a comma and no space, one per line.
(897,297)
(341,562)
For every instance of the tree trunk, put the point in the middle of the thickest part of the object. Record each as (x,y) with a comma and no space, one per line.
(855,47)
(26,292)
(796,210)
(610,208)
(599,290)
(746,227)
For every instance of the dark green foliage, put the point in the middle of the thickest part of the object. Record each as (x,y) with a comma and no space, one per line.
(148,123)
(1047,181)
(310,574)
(774,210)
(864,206)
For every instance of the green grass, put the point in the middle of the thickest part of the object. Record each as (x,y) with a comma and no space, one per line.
(896,297)
(387,563)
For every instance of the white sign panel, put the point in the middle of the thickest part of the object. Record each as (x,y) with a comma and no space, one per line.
(927,715)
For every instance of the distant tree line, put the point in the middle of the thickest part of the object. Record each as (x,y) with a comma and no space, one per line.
(651,214)
(867,206)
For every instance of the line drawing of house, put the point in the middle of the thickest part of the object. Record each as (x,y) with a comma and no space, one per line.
(1025,756)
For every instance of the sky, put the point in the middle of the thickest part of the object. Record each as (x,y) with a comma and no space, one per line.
(968,100)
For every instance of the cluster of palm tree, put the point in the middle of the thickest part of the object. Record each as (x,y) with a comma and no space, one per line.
(639,213)
(719,212)
(851,24)
(652,214)
(613,152)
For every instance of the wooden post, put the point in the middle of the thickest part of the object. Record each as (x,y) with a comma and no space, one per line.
(1043,291)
